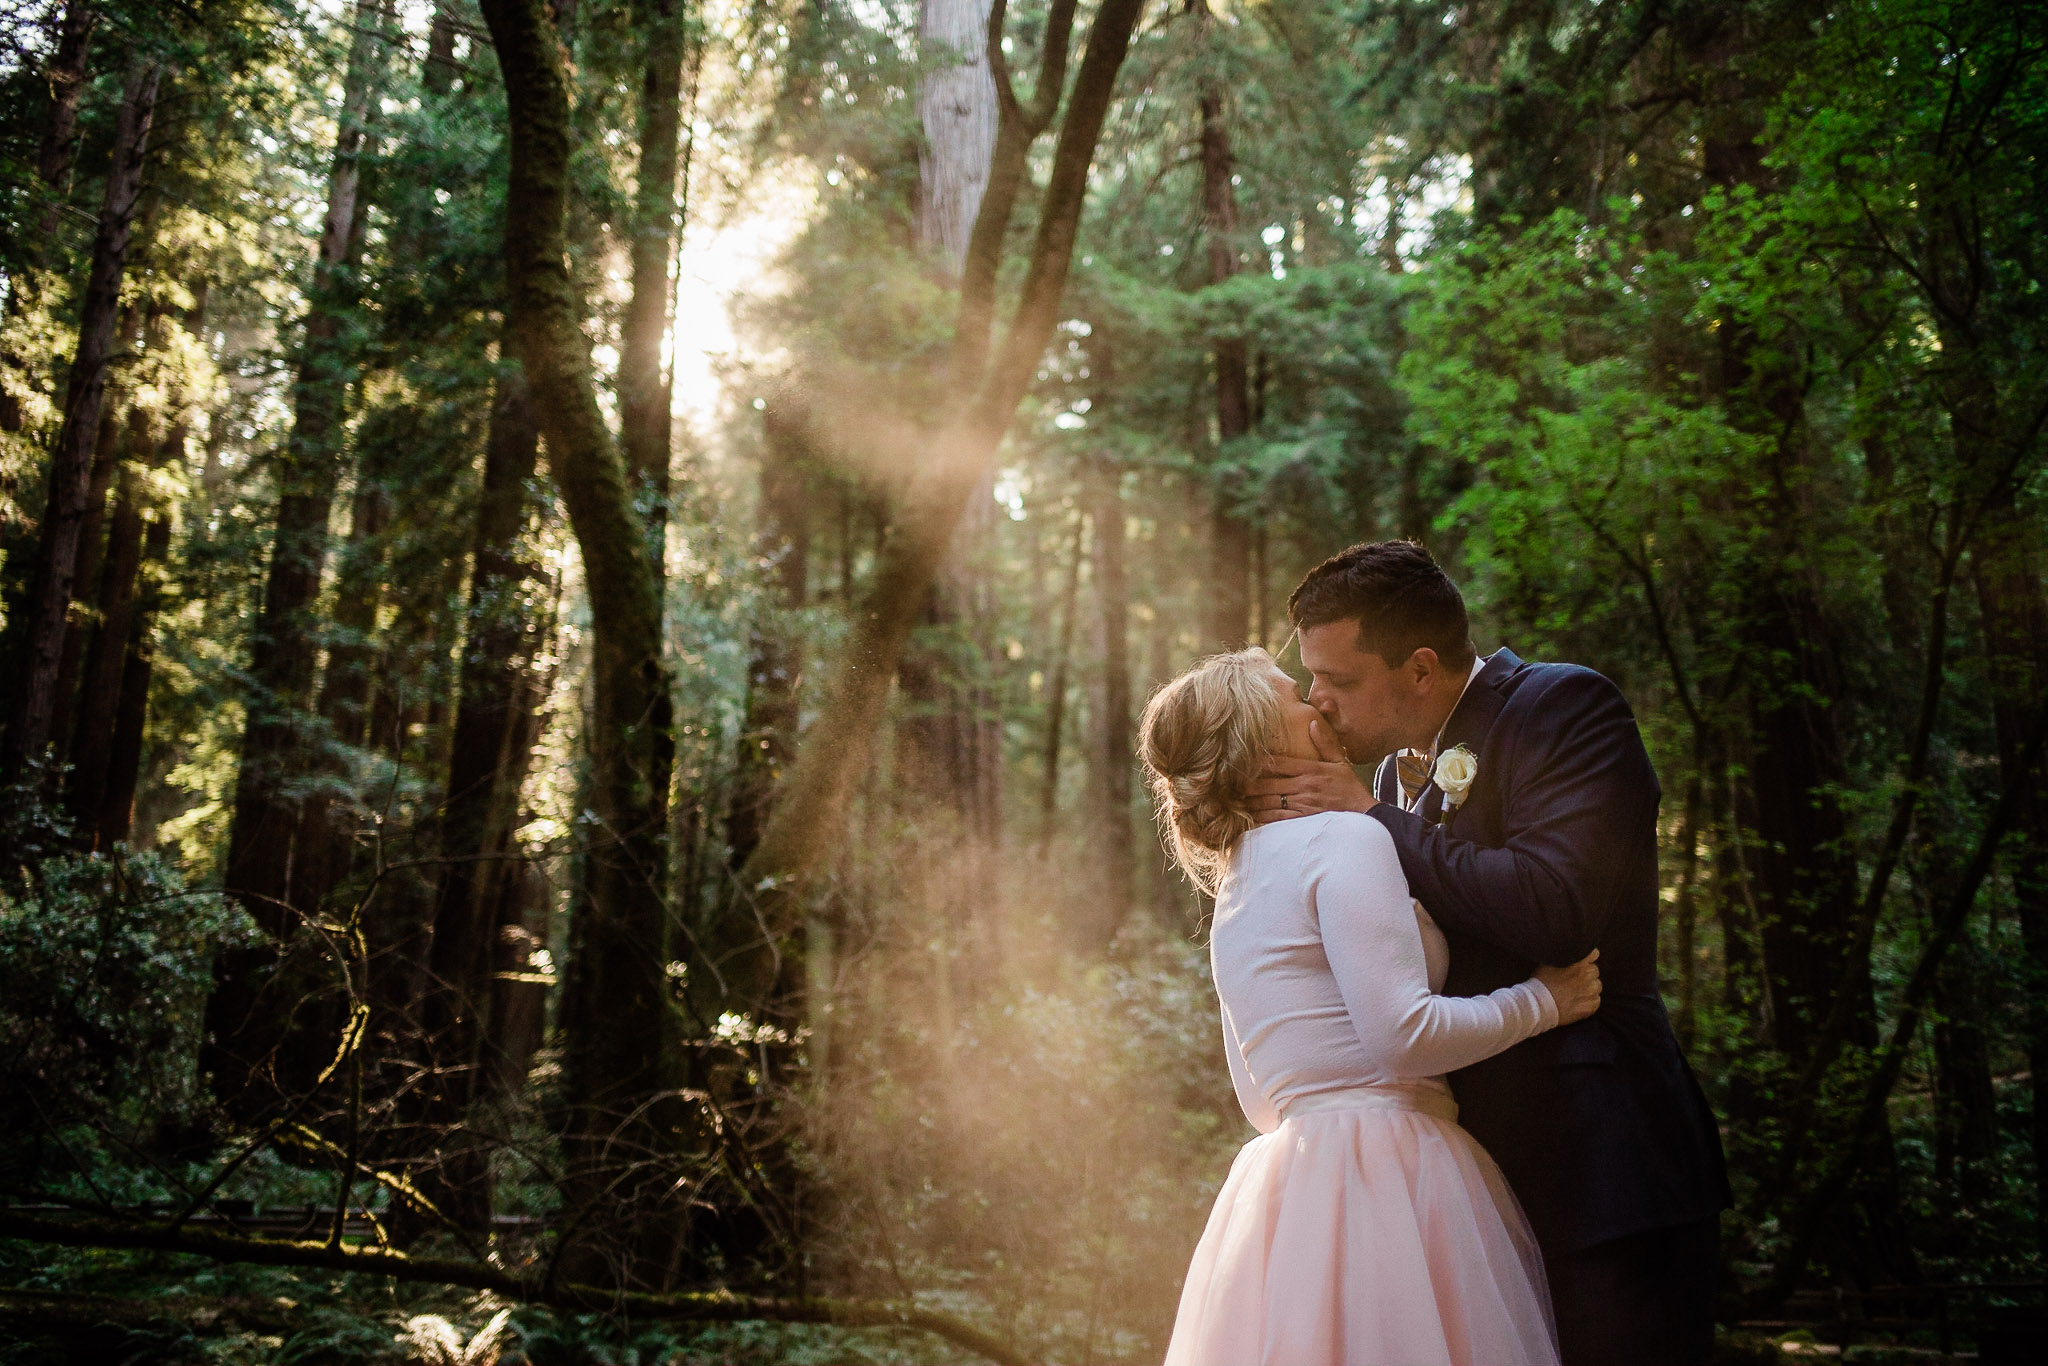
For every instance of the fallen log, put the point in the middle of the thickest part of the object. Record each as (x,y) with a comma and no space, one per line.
(708,1306)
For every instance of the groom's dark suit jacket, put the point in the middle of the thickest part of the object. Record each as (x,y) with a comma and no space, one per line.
(1599,1126)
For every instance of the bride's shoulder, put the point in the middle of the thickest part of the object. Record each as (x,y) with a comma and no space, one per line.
(1349,833)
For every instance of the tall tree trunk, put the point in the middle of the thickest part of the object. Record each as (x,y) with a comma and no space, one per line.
(283,649)
(949,747)
(956,103)
(1808,887)
(64,78)
(99,691)
(2007,571)
(1965,1098)
(1230,537)
(115,440)
(645,385)
(131,717)
(99,783)
(1110,818)
(621,1058)
(437,76)
(808,817)
(323,841)
(70,469)
(1056,684)
(485,770)
(775,653)
(1807,881)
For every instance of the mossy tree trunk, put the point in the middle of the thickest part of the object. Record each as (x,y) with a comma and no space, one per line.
(621,1059)
(645,384)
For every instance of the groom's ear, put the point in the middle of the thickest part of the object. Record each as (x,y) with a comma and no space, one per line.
(1422,667)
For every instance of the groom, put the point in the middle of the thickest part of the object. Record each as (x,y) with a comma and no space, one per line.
(1535,843)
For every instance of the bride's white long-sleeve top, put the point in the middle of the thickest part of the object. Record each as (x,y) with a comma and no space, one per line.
(1328,972)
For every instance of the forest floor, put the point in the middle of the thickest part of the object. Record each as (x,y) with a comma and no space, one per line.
(148,1309)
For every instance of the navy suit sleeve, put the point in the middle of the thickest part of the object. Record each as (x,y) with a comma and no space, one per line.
(1580,791)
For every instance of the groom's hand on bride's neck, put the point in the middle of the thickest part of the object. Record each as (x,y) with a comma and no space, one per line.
(1292,787)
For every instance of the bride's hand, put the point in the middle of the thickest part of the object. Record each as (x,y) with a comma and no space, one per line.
(1576,989)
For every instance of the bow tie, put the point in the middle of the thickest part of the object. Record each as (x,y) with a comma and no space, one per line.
(1413,767)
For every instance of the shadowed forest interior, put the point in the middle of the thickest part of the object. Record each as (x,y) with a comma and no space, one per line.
(578,577)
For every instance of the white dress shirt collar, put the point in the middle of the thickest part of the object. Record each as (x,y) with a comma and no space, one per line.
(1478,663)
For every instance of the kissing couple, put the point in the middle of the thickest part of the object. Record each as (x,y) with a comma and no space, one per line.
(1479,1144)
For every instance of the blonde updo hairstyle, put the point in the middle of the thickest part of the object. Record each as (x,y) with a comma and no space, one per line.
(1205,737)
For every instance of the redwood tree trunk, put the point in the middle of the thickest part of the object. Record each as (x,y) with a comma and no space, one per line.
(131,716)
(2008,573)
(323,840)
(64,77)
(1230,538)
(99,691)
(100,788)
(949,743)
(775,653)
(115,439)
(1110,817)
(284,648)
(70,469)
(620,1052)
(1056,685)
(645,385)
(956,103)
(808,817)
(487,763)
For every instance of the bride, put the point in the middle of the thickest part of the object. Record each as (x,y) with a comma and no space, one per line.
(1363,1227)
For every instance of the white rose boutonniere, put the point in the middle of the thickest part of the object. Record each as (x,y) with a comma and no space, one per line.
(1455,771)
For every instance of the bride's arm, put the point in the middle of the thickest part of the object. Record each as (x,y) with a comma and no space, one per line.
(1253,1101)
(1375,950)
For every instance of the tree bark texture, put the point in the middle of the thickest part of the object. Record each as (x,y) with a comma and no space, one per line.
(322,843)
(775,653)
(1056,685)
(949,743)
(64,78)
(618,1027)
(284,647)
(115,439)
(957,106)
(100,786)
(487,765)
(1110,816)
(99,689)
(70,467)
(645,384)
(1230,533)
(437,76)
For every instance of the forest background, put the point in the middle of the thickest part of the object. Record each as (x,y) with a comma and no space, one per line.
(577,578)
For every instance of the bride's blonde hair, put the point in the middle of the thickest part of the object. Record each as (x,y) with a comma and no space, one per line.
(1205,737)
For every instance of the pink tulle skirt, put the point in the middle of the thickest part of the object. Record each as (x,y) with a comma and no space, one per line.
(1367,1230)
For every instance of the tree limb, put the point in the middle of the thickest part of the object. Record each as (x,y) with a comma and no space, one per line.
(705,1306)
(1807,1224)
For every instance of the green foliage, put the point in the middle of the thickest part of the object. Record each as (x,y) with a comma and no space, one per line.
(104,964)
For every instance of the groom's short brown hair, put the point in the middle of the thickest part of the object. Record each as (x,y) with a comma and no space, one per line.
(1397,593)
